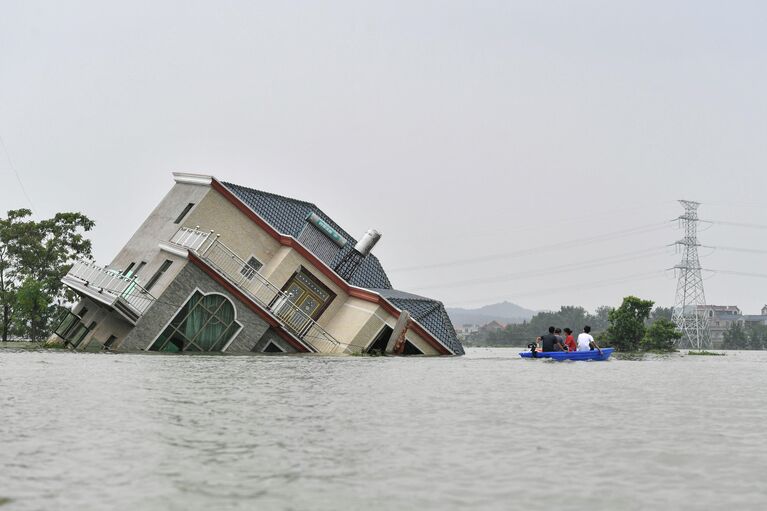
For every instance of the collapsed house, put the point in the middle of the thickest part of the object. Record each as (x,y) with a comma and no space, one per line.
(219,267)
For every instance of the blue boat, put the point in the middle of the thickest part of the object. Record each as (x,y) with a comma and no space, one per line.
(570,355)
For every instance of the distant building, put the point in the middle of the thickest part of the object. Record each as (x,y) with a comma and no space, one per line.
(219,267)
(467,330)
(493,326)
(722,317)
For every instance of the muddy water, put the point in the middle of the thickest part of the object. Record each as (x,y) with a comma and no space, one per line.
(484,431)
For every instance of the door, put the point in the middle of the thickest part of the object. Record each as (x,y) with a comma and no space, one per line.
(306,295)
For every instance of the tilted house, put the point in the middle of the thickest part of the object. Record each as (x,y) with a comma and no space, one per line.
(219,267)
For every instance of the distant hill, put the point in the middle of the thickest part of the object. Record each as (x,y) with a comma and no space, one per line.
(505,312)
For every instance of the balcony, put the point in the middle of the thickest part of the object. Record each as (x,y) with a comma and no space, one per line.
(111,288)
(207,247)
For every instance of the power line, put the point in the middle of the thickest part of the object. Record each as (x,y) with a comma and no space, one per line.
(16,173)
(563,268)
(586,285)
(738,224)
(643,229)
(739,273)
(737,249)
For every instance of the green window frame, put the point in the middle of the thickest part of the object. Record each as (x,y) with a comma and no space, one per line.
(206,322)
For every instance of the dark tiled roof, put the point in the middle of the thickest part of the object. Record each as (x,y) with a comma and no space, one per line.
(288,216)
(429,313)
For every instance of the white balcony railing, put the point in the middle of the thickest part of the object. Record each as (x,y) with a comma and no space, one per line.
(111,285)
(257,287)
(190,238)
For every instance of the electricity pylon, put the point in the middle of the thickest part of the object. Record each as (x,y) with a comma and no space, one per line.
(690,305)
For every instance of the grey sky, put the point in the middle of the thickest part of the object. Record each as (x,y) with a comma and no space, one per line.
(459,129)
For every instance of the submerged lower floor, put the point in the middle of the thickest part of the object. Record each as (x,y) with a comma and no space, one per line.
(203,310)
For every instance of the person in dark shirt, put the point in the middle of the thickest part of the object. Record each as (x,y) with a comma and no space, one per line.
(550,342)
(560,339)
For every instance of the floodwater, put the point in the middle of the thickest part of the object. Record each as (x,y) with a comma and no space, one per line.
(486,431)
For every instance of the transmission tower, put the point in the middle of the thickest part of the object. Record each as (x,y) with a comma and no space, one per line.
(689,307)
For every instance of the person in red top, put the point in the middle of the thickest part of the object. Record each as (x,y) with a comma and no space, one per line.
(570,340)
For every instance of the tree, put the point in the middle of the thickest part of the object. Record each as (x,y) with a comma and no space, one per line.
(757,337)
(34,256)
(661,313)
(627,329)
(735,338)
(661,336)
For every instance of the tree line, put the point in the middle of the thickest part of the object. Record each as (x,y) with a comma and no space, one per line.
(634,325)
(34,257)
(750,337)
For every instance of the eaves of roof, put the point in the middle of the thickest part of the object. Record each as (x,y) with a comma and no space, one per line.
(354,291)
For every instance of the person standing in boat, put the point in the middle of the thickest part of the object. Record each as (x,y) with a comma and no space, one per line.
(551,342)
(570,340)
(586,341)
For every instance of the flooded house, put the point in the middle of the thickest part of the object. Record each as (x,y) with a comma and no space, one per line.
(219,267)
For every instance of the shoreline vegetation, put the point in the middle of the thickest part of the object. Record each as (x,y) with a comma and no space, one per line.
(704,353)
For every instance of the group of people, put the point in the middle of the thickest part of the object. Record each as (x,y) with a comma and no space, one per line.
(554,341)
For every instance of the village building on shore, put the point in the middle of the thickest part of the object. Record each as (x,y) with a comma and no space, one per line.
(722,317)
(219,267)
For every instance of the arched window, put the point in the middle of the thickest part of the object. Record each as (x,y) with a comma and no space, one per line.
(204,323)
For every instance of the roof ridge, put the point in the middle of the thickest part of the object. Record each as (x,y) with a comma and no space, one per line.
(270,194)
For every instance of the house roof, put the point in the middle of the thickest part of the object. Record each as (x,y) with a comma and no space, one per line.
(428,312)
(288,216)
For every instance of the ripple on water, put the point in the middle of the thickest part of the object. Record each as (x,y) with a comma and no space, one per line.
(85,431)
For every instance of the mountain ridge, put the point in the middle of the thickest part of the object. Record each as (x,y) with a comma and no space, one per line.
(503,312)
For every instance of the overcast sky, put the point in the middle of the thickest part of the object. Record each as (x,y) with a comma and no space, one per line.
(547,141)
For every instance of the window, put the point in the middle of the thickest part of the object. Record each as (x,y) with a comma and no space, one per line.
(109,342)
(163,268)
(204,323)
(67,325)
(141,265)
(126,273)
(249,270)
(184,213)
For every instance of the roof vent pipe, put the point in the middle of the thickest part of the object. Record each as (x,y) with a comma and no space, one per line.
(368,241)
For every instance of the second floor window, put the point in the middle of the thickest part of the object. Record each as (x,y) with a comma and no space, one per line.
(186,210)
(163,268)
(252,267)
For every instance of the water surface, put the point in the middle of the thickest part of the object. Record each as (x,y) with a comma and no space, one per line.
(485,431)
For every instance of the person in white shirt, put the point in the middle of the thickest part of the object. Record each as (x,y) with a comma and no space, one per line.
(585,340)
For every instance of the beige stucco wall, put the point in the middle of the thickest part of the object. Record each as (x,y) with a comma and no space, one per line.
(350,320)
(237,231)
(245,238)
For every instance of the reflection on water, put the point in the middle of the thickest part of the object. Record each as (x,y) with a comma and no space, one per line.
(488,430)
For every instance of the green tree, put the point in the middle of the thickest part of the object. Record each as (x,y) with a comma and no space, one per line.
(661,336)
(36,255)
(661,313)
(627,329)
(757,337)
(735,337)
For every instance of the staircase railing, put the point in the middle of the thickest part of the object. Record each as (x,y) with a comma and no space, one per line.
(266,294)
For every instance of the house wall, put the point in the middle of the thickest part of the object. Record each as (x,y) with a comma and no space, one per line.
(108,323)
(189,279)
(343,318)
(159,226)
(350,320)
